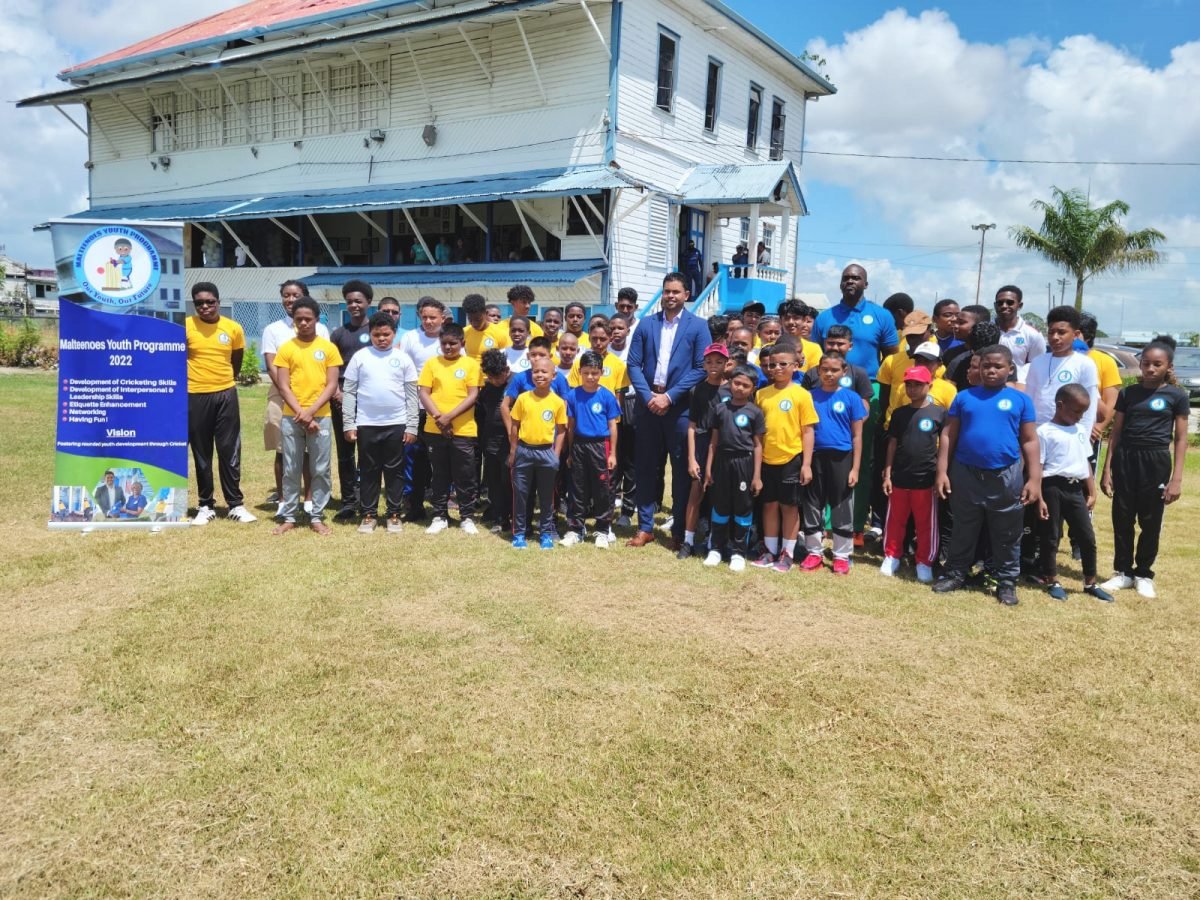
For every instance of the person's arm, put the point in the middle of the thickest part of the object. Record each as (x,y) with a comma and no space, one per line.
(1091,493)
(945,453)
(856,428)
(514,430)
(693,465)
(612,444)
(633,363)
(1104,412)
(235,361)
(1114,439)
(570,437)
(445,420)
(1031,451)
(714,440)
(1174,487)
(884,379)
(889,458)
(331,385)
(560,437)
(756,482)
(506,413)
(426,396)
(412,412)
(808,438)
(350,402)
(272,371)
(289,398)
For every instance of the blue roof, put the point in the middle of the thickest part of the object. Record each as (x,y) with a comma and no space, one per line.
(551,273)
(543,183)
(746,183)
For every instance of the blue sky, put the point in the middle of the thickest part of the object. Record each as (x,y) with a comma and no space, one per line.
(1059,80)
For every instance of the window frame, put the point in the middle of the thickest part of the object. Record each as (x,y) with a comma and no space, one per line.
(775,150)
(667,34)
(715,115)
(754,116)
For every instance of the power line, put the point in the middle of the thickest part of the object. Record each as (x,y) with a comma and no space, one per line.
(1028,162)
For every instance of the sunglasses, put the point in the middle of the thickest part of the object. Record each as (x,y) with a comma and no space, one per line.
(200,303)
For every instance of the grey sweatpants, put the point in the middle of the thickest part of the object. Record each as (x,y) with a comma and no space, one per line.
(991,497)
(318,445)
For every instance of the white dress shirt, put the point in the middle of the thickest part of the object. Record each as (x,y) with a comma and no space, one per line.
(665,342)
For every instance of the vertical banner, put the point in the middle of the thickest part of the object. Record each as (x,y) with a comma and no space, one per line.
(121,447)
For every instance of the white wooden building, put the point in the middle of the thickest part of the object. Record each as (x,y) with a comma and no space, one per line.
(454,146)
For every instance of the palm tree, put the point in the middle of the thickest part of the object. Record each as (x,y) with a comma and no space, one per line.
(1087,240)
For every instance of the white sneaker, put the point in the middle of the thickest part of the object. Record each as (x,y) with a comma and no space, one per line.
(924,574)
(1145,588)
(367,526)
(602,541)
(243,515)
(1118,583)
(308,507)
(437,526)
(713,558)
(668,524)
(612,536)
(737,563)
(395,526)
(570,539)
(204,515)
(468,526)
(890,566)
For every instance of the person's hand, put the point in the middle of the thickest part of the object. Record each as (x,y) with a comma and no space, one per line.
(443,421)
(512,457)
(337,397)
(313,428)
(1031,493)
(1172,491)
(659,404)
(887,485)
(707,480)
(351,436)
(805,474)
(942,487)
(1043,511)
(694,470)
(852,479)
(612,461)
(409,438)
(1097,433)
(303,418)
(756,486)
(1091,501)
(1106,484)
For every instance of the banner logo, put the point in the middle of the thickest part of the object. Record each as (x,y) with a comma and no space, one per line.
(117,266)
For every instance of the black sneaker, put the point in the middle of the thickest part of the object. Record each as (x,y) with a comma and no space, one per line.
(949,583)
(1094,590)
(684,552)
(1007,594)
(346,513)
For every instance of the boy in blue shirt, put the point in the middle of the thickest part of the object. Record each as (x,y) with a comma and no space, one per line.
(989,431)
(592,416)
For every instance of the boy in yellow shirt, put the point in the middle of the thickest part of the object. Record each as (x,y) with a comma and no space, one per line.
(539,426)
(449,386)
(480,334)
(787,456)
(308,369)
(614,374)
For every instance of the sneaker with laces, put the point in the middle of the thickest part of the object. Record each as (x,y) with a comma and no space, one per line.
(571,538)
(684,551)
(367,525)
(1007,594)
(737,563)
(812,563)
(547,542)
(841,567)
(602,541)
(860,540)
(765,561)
(468,526)
(394,525)
(204,515)
(783,565)
(1118,583)
(924,574)
(437,526)
(243,515)
(1094,590)
(623,522)
(713,558)
(890,566)
(1145,588)
(948,583)
(519,542)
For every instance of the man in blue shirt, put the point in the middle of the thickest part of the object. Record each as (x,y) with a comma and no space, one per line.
(873,326)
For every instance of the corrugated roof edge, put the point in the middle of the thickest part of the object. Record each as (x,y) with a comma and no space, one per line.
(757,32)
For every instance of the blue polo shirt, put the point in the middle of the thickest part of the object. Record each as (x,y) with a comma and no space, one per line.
(592,412)
(523,381)
(838,410)
(872,326)
(989,426)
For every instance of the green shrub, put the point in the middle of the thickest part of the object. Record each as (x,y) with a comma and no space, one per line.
(21,345)
(249,374)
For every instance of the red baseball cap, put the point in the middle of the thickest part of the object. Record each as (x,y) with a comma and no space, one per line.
(717,348)
(918,373)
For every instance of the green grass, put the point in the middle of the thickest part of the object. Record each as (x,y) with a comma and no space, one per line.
(221,712)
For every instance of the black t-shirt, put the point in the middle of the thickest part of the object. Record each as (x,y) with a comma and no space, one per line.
(860,381)
(703,395)
(1150,415)
(488,418)
(916,432)
(736,427)
(349,340)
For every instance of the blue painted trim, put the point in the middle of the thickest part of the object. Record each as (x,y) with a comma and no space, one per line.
(614,81)
(789,57)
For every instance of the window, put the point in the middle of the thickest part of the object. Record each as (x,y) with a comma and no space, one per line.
(656,240)
(668,57)
(745,234)
(712,96)
(778,120)
(162,122)
(768,237)
(753,115)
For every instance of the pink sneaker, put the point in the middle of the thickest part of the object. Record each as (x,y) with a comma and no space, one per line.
(764,562)
(783,565)
(812,563)
(841,567)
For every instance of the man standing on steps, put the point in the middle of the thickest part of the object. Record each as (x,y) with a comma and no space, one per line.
(693,268)
(666,359)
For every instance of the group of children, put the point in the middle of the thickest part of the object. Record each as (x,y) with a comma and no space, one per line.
(778,435)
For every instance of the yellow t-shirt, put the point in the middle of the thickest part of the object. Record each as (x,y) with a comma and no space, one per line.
(209,351)
(535,330)
(307,365)
(493,337)
(1106,368)
(538,417)
(614,376)
(812,354)
(585,341)
(448,381)
(787,411)
(941,392)
(892,369)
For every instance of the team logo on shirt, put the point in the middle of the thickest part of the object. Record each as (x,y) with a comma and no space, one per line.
(1019,341)
(319,355)
(868,319)
(489,343)
(460,373)
(926,425)
(785,406)
(1064,376)
(394,362)
(223,338)
(845,381)
(597,407)
(606,371)
(839,407)
(741,485)
(523,363)
(741,420)
(1158,404)
(547,416)
(1081,437)
(1004,404)
(363,338)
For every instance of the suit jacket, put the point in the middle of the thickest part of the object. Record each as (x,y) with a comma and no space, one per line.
(686,366)
(105,502)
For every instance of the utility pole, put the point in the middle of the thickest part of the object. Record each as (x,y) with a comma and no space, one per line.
(983,229)
(1062,293)
(1049,299)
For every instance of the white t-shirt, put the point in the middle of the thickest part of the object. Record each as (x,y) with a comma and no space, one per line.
(518,360)
(1048,373)
(378,379)
(1065,450)
(420,347)
(280,332)
(622,354)
(1025,342)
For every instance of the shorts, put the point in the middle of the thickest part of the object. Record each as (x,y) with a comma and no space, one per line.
(273,423)
(781,484)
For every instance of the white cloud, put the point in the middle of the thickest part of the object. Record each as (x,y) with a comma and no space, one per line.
(912,85)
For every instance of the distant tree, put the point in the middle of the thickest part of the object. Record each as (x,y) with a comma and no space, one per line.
(1087,240)
(1034,319)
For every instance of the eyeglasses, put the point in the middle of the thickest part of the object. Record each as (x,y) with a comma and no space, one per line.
(200,303)
(391,312)
(776,365)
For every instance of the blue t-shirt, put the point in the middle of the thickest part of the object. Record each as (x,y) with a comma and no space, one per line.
(838,410)
(872,326)
(592,412)
(523,381)
(989,426)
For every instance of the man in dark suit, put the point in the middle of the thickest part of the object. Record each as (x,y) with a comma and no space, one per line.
(666,359)
(109,494)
